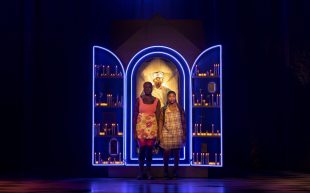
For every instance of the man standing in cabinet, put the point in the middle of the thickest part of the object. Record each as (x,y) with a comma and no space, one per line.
(159,90)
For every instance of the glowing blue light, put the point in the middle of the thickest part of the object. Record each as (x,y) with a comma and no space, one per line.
(221,102)
(131,105)
(178,59)
(134,64)
(93,110)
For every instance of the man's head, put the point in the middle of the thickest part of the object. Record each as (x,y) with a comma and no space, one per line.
(147,88)
(158,78)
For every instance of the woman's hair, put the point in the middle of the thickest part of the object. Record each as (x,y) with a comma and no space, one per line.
(145,83)
(171,92)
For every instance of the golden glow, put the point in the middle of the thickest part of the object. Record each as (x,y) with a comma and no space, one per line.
(170,78)
(103,104)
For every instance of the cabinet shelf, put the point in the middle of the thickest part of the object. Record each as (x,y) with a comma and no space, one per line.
(206,107)
(205,77)
(108,136)
(204,135)
(110,77)
(209,164)
(108,107)
(111,163)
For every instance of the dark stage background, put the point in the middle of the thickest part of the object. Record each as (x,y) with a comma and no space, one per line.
(46,81)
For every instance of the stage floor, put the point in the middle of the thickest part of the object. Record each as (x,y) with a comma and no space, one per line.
(289,183)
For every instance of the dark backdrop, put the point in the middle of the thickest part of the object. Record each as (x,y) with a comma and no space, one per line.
(46,83)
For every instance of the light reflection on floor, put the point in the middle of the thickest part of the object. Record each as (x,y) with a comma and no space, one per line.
(290,183)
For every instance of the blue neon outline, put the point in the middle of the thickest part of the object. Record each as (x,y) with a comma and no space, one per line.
(170,164)
(184,103)
(190,103)
(93,108)
(221,105)
(131,105)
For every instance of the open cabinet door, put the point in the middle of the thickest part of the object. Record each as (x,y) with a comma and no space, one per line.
(108,109)
(207,107)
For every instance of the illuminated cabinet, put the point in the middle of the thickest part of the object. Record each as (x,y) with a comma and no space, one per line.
(199,92)
(108,108)
(206,79)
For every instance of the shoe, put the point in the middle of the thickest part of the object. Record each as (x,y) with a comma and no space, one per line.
(149,177)
(174,177)
(148,173)
(141,172)
(166,176)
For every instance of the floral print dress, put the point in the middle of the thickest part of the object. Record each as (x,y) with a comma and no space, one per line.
(146,127)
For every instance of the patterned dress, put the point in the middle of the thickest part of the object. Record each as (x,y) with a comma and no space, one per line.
(146,127)
(171,130)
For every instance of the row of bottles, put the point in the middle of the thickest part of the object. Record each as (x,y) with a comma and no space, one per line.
(203,158)
(211,100)
(117,159)
(199,130)
(106,129)
(108,101)
(107,71)
(212,72)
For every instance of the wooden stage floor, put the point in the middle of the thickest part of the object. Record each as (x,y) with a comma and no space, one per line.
(289,183)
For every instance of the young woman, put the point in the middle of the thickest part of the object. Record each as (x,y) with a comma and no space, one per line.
(146,117)
(172,135)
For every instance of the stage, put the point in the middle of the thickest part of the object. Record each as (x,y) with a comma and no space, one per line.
(73,81)
(283,183)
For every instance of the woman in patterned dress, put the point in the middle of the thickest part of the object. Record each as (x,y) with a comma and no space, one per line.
(172,131)
(146,117)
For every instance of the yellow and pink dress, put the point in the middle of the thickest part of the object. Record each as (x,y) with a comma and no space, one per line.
(147,127)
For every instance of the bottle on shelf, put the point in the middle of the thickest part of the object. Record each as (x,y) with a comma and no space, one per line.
(200,131)
(110,130)
(108,71)
(209,101)
(103,70)
(99,158)
(97,128)
(109,101)
(203,158)
(197,158)
(95,156)
(196,71)
(207,158)
(213,72)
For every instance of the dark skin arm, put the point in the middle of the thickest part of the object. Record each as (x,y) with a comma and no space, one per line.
(135,117)
(161,124)
(183,120)
(158,117)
